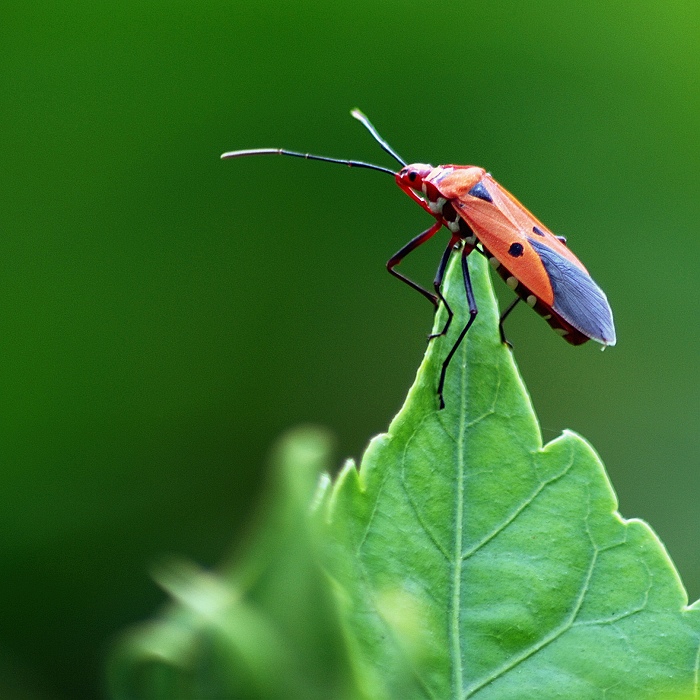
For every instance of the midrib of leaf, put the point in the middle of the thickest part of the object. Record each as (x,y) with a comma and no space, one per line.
(457,672)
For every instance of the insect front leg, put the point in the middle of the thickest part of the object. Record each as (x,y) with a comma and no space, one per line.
(473,311)
(401,254)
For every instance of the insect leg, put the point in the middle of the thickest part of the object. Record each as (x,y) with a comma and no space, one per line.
(504,315)
(437,283)
(472,315)
(401,254)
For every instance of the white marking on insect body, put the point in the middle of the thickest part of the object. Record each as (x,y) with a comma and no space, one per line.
(453,225)
(494,263)
(436,207)
(472,241)
(531,300)
(561,331)
(512,282)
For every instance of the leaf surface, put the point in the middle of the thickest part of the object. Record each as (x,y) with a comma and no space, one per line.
(471,561)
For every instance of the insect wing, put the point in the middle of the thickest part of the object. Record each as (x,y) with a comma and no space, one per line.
(503,226)
(537,259)
(577,298)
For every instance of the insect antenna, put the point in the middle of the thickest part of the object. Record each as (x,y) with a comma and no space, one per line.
(307,156)
(370,127)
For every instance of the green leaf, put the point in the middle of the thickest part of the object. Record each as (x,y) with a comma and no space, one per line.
(264,626)
(466,560)
(472,562)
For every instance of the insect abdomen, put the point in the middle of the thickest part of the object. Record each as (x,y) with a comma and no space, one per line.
(560,326)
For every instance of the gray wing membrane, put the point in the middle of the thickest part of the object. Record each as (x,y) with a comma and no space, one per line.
(577,298)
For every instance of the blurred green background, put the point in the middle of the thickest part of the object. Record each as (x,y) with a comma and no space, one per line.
(165,315)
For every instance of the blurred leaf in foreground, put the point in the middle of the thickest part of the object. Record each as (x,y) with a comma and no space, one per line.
(264,628)
(472,562)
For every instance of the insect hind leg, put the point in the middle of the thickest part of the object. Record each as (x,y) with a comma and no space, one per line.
(504,316)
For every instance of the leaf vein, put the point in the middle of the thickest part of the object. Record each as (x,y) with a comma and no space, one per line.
(525,504)
(414,506)
(546,641)
(372,515)
(456,637)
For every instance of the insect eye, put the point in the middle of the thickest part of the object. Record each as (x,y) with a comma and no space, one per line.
(412,175)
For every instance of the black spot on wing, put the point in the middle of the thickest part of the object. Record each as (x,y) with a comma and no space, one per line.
(481,192)
(577,298)
(516,250)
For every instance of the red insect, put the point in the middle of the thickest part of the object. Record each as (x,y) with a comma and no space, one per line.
(481,215)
